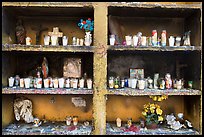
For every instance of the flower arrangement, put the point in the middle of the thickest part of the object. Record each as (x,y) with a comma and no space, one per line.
(87,25)
(152,113)
(159,98)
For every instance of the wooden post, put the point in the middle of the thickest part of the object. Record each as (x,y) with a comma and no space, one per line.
(100,68)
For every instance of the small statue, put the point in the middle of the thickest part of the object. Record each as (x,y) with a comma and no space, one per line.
(20,32)
(168,81)
(45,67)
(186,39)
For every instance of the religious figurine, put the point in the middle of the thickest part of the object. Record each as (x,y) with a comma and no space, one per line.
(23,109)
(129,122)
(186,39)
(168,81)
(20,32)
(38,30)
(54,36)
(45,67)
(118,122)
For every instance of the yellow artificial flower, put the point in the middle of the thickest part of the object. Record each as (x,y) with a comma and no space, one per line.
(152,106)
(157,106)
(146,110)
(159,99)
(144,113)
(160,118)
(152,111)
(159,111)
(155,98)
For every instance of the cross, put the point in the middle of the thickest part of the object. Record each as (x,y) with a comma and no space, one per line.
(55,32)
(38,30)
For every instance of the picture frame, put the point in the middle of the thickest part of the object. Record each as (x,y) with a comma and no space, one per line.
(136,73)
(72,67)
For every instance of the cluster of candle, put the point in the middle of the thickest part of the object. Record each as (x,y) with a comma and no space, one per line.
(154,40)
(31,82)
(156,83)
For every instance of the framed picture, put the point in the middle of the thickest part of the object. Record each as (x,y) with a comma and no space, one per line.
(136,73)
(72,67)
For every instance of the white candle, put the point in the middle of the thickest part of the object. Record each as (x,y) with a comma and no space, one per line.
(54,40)
(64,40)
(81,83)
(89,83)
(61,82)
(134,83)
(75,83)
(118,122)
(141,84)
(171,41)
(47,40)
(39,82)
(11,82)
(22,83)
(46,83)
(28,41)
(27,82)
(55,81)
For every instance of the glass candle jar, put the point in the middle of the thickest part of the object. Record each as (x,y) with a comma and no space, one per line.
(21,82)
(55,82)
(81,83)
(27,82)
(111,82)
(141,84)
(118,122)
(46,83)
(75,120)
(89,83)
(38,82)
(61,82)
(11,81)
(68,120)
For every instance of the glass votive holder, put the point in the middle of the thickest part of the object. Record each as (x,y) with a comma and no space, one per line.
(61,82)
(55,82)
(11,81)
(39,82)
(27,82)
(89,83)
(21,83)
(46,83)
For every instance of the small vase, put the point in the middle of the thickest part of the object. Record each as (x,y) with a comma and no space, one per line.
(152,126)
(88,38)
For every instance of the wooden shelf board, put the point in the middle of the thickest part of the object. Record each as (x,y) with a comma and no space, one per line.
(148,48)
(50,48)
(137,92)
(46,91)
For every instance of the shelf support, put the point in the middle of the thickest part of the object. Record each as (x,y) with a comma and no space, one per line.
(100,68)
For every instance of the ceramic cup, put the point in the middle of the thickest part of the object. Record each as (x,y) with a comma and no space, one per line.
(11,81)
(27,82)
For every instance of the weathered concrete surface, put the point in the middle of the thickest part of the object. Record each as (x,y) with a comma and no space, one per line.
(100,68)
